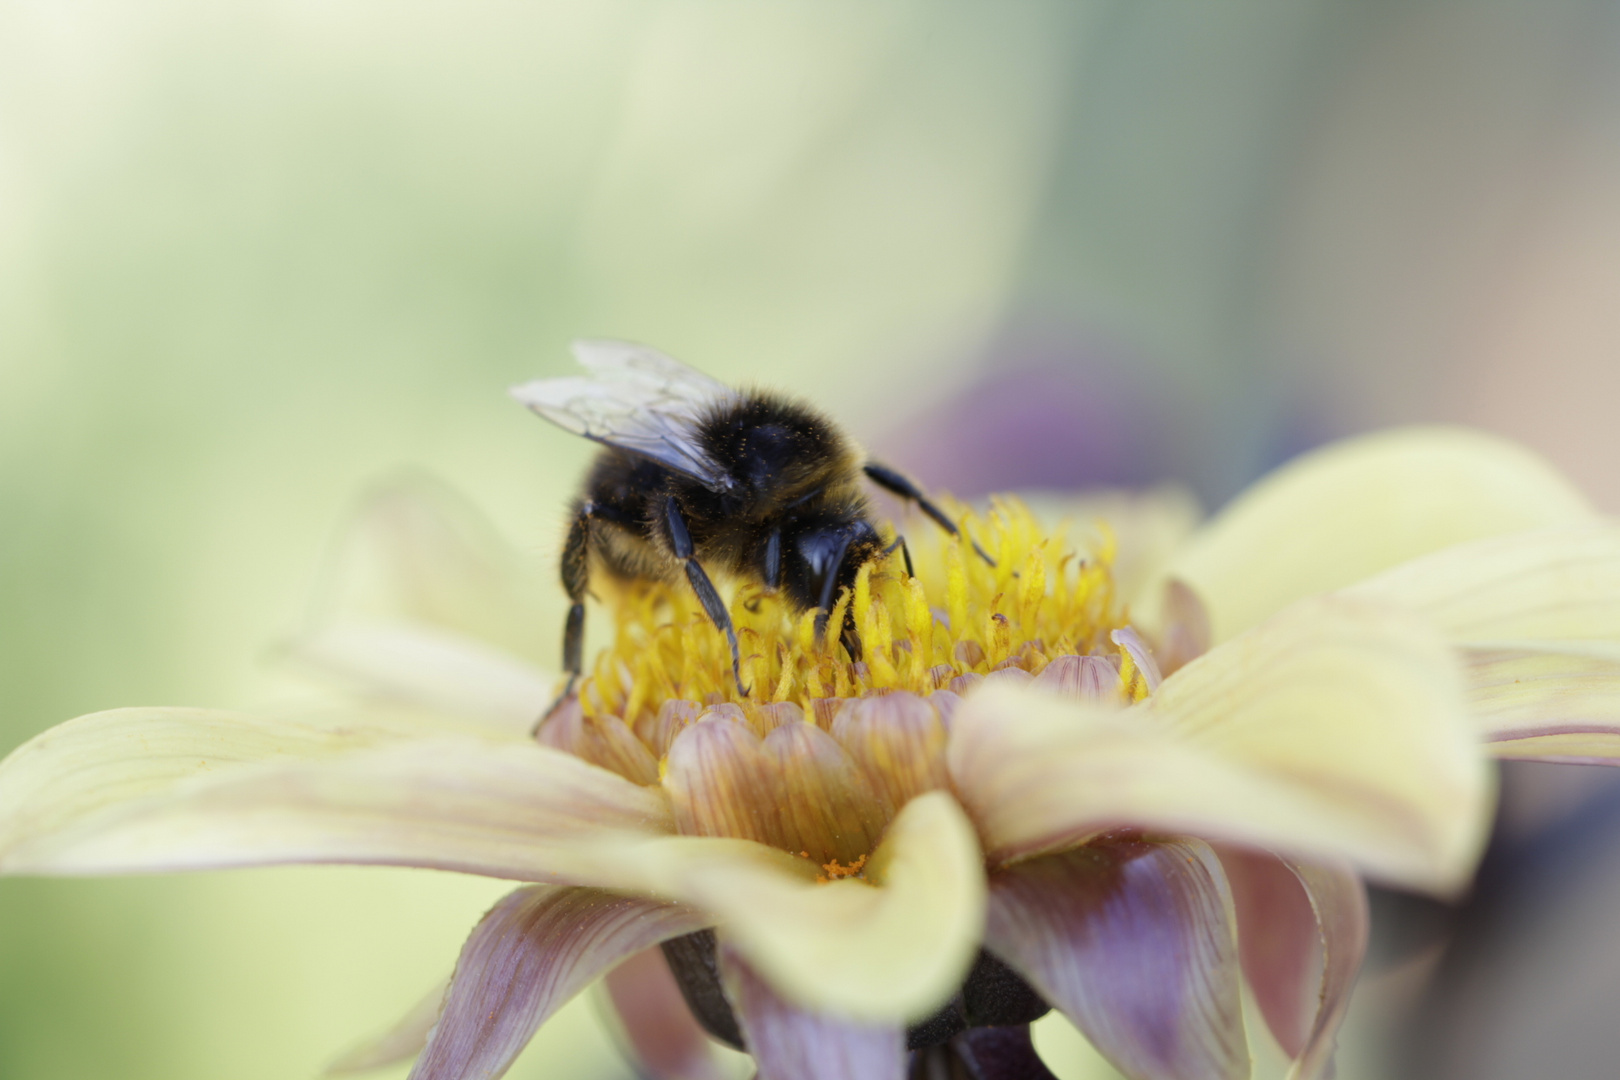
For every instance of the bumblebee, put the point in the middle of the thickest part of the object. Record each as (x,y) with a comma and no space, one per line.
(695,474)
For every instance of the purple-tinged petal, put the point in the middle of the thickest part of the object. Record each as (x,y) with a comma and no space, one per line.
(790,1043)
(1186,634)
(945,702)
(768,717)
(1142,656)
(720,780)
(1009,673)
(659,729)
(663,1039)
(1001,1053)
(601,740)
(1302,933)
(1087,678)
(1278,941)
(1134,941)
(536,949)
(399,1043)
(1340,903)
(898,740)
(828,810)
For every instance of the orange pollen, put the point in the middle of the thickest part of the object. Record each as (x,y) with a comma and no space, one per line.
(836,870)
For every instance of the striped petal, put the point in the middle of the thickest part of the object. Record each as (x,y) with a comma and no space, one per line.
(1303,933)
(141,790)
(1336,730)
(534,951)
(1549,584)
(1134,941)
(1547,701)
(792,1043)
(1340,904)
(1350,510)
(1537,619)
(1278,941)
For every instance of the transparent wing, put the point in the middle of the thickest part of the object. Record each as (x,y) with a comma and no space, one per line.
(637,399)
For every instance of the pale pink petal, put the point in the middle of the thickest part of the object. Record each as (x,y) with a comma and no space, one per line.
(141,790)
(791,1043)
(1134,941)
(1186,633)
(719,781)
(899,740)
(1279,942)
(402,1042)
(1340,903)
(603,740)
(1085,678)
(1142,656)
(1302,932)
(828,810)
(1336,730)
(664,1040)
(534,951)
(1349,510)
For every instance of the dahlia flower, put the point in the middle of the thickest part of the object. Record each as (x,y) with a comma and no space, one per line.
(1117,774)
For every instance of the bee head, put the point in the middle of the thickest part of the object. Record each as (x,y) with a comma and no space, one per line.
(830,555)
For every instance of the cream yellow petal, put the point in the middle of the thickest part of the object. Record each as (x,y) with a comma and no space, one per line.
(141,790)
(1336,730)
(1561,583)
(891,946)
(1547,700)
(1352,509)
(416,551)
(1537,619)
(427,667)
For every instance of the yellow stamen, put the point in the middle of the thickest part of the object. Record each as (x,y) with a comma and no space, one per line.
(1046,596)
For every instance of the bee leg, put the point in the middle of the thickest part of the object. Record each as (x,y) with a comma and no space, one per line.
(897,484)
(770,571)
(905,552)
(680,542)
(575,572)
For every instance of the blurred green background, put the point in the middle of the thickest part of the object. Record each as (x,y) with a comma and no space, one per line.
(254,256)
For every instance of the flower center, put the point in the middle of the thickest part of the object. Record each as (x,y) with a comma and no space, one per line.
(825,748)
(1046,596)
